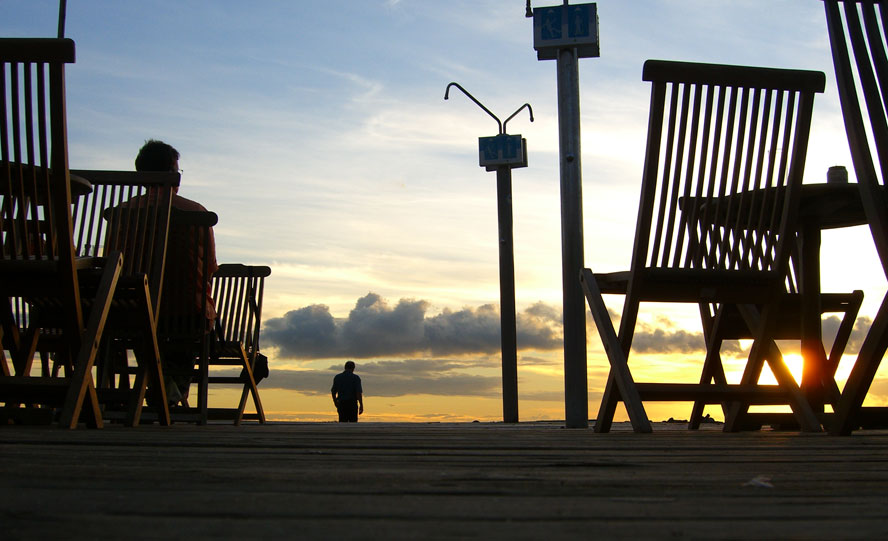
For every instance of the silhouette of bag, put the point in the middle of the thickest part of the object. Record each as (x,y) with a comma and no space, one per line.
(260,368)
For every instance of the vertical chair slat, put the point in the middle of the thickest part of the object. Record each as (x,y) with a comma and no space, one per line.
(733,168)
(870,87)
(753,223)
(797,116)
(689,181)
(713,211)
(697,254)
(876,48)
(674,187)
(769,149)
(30,225)
(742,166)
(664,185)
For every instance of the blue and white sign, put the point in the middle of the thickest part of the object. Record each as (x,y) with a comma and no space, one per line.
(565,27)
(501,149)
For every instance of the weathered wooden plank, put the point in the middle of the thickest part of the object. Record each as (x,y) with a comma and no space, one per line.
(439,481)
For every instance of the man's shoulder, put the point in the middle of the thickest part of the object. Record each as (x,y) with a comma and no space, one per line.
(347,376)
(183,203)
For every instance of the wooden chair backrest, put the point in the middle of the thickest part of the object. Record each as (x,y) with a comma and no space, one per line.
(725,156)
(35,191)
(128,212)
(862,24)
(238,291)
(187,311)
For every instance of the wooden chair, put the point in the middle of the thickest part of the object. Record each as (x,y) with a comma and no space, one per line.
(238,291)
(725,322)
(129,212)
(861,24)
(39,266)
(186,318)
(725,155)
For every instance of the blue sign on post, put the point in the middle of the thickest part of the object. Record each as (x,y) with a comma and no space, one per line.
(501,149)
(565,26)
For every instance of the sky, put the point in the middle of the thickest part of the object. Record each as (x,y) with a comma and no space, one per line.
(318,132)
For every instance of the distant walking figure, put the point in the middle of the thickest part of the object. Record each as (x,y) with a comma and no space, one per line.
(348,394)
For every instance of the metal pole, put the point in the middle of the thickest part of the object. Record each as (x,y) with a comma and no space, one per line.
(508,329)
(63,9)
(507,294)
(576,406)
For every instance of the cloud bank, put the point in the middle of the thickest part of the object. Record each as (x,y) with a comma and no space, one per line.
(376,329)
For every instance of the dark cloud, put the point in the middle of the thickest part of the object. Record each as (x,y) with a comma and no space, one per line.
(658,340)
(311,331)
(665,337)
(375,329)
(858,333)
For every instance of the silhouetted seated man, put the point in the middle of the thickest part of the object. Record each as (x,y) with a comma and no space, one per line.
(348,394)
(181,260)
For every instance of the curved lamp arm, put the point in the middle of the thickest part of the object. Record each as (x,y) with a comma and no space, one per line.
(529,110)
(478,103)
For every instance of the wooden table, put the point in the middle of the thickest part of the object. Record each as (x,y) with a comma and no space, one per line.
(821,206)
(79,185)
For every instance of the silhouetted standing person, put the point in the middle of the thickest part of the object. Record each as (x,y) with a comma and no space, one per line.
(348,396)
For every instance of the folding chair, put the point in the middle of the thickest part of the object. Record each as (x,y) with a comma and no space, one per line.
(725,322)
(129,212)
(725,155)
(39,268)
(238,291)
(861,24)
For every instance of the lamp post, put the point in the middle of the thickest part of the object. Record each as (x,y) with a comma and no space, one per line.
(502,153)
(567,33)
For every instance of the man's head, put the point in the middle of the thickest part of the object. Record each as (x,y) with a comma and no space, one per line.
(157,156)
(350,366)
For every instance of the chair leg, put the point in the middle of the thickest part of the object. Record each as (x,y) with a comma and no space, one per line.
(23,359)
(4,368)
(249,388)
(618,362)
(203,390)
(609,400)
(713,370)
(838,348)
(45,369)
(713,373)
(137,398)
(764,349)
(149,378)
(82,384)
(868,359)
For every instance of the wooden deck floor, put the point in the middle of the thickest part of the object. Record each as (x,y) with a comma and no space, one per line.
(412,481)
